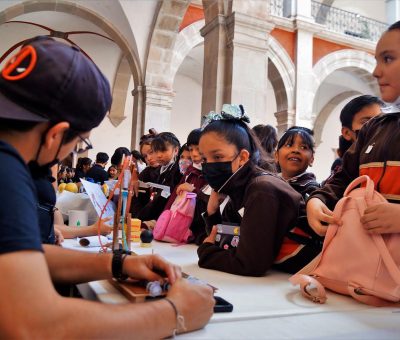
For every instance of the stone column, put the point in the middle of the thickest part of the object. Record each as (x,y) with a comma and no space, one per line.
(248,62)
(139,97)
(214,76)
(392,11)
(285,119)
(306,27)
(158,109)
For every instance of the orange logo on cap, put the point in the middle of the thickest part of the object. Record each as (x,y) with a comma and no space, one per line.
(14,64)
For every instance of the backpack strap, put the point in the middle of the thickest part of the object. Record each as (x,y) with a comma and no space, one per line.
(305,281)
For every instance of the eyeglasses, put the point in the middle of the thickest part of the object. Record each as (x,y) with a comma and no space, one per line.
(87,145)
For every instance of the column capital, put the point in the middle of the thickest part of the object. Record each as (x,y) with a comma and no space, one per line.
(308,25)
(248,32)
(285,119)
(137,90)
(219,20)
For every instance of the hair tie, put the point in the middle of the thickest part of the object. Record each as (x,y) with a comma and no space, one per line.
(231,112)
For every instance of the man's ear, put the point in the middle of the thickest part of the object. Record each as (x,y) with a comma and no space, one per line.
(244,156)
(55,134)
(347,134)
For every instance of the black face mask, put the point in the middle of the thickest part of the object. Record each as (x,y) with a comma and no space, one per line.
(40,171)
(216,174)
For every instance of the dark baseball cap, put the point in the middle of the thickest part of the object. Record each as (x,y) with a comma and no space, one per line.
(48,80)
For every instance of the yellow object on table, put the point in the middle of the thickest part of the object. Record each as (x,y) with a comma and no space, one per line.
(135,230)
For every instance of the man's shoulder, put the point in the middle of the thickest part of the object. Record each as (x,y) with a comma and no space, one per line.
(12,164)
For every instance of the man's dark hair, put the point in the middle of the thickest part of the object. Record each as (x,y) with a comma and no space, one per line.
(395,26)
(116,158)
(356,105)
(102,157)
(137,155)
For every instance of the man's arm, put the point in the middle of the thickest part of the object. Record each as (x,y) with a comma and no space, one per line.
(30,307)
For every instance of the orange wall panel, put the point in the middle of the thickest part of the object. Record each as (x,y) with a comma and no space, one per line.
(321,48)
(286,39)
(192,15)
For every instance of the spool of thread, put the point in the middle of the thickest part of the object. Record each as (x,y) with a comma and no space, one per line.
(135,230)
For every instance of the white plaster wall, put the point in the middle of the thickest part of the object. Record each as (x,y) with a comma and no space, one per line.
(268,117)
(186,107)
(140,14)
(324,153)
(106,138)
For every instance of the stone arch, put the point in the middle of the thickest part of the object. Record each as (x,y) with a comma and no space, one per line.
(322,117)
(281,73)
(165,32)
(129,52)
(359,63)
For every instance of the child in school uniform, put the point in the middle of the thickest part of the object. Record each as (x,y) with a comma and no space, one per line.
(374,153)
(165,146)
(193,181)
(263,205)
(294,154)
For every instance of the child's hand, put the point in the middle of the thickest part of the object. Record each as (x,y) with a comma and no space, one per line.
(382,218)
(214,201)
(318,214)
(211,238)
(185,187)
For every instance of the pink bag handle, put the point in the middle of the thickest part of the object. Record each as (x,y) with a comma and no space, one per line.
(367,299)
(360,180)
(186,195)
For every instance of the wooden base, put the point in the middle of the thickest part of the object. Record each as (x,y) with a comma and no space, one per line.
(133,291)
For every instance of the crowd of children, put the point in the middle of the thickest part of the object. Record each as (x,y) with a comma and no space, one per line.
(249,185)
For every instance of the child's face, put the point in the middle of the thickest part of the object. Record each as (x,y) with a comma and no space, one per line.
(195,153)
(387,70)
(214,148)
(185,155)
(164,157)
(294,157)
(149,156)
(113,172)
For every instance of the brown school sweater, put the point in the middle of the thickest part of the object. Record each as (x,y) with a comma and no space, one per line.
(270,209)
(376,154)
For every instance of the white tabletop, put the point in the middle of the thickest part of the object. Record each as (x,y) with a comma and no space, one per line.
(266,307)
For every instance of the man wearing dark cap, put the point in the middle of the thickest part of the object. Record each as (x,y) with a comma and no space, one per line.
(51,97)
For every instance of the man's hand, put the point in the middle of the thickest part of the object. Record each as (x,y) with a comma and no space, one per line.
(382,218)
(211,238)
(194,302)
(148,267)
(317,214)
(59,236)
(105,228)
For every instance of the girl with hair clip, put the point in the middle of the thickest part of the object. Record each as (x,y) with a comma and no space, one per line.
(165,146)
(263,205)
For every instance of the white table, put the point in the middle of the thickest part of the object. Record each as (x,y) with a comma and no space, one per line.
(267,307)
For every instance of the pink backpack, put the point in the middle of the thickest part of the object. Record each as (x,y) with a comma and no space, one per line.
(174,225)
(352,261)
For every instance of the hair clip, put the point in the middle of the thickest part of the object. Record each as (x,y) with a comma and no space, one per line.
(228,112)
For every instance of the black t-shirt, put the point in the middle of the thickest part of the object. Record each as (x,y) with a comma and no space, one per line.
(97,174)
(46,202)
(19,227)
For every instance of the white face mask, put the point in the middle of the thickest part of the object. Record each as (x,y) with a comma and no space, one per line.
(197,166)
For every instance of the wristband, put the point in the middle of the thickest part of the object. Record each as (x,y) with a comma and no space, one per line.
(180,320)
(116,266)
